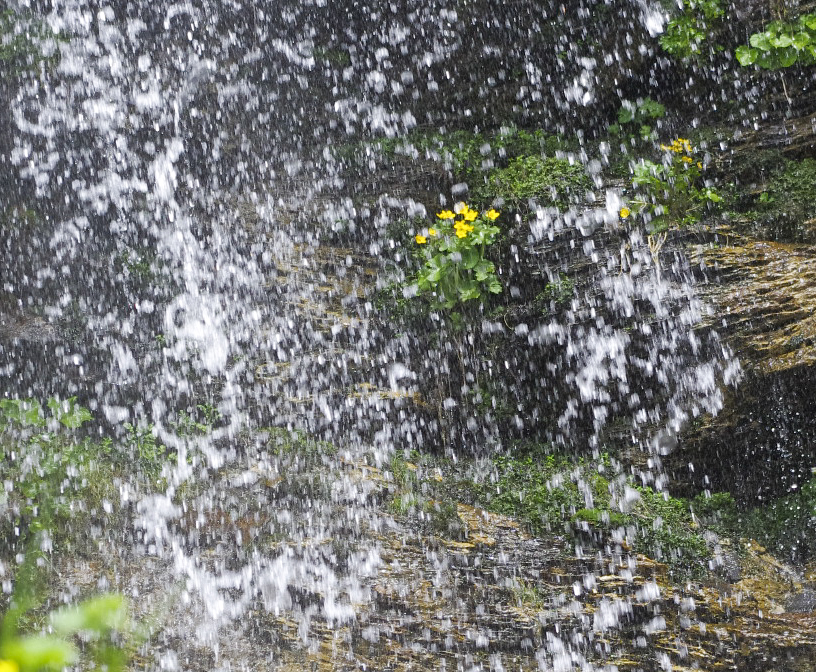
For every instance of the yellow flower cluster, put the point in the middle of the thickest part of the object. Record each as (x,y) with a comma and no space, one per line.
(678,146)
(8,666)
(462,226)
(682,146)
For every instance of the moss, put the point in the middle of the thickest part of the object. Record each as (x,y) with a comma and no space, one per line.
(413,496)
(772,197)
(21,44)
(787,202)
(282,441)
(557,293)
(786,526)
(548,492)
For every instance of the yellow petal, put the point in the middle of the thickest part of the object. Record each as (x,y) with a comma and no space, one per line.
(625,212)
(431,232)
(445,214)
(421,239)
(492,214)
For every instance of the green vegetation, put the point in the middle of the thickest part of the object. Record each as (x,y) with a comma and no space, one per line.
(97,632)
(636,119)
(550,494)
(455,269)
(781,44)
(787,203)
(690,30)
(61,478)
(559,292)
(422,499)
(552,181)
(785,526)
(670,194)
(21,44)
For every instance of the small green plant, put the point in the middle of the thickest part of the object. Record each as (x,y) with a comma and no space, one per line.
(686,33)
(670,194)
(559,291)
(149,453)
(636,119)
(455,269)
(781,44)
(201,422)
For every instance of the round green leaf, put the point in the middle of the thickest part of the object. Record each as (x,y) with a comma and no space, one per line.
(781,41)
(760,41)
(801,40)
(746,55)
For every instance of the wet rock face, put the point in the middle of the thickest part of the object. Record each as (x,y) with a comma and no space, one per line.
(763,298)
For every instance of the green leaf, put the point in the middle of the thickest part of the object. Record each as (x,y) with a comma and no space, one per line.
(746,55)
(494,286)
(767,60)
(484,270)
(626,113)
(69,413)
(98,615)
(470,258)
(712,195)
(809,21)
(760,41)
(469,291)
(801,40)
(35,653)
(24,412)
(782,41)
(787,57)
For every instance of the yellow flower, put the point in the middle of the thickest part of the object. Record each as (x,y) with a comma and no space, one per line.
(461,233)
(700,165)
(461,226)
(431,232)
(421,240)
(687,159)
(625,212)
(492,214)
(8,666)
(470,215)
(445,214)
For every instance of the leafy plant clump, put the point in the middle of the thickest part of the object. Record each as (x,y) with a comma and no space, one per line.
(455,268)
(60,479)
(781,44)
(670,194)
(551,180)
(636,119)
(689,31)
